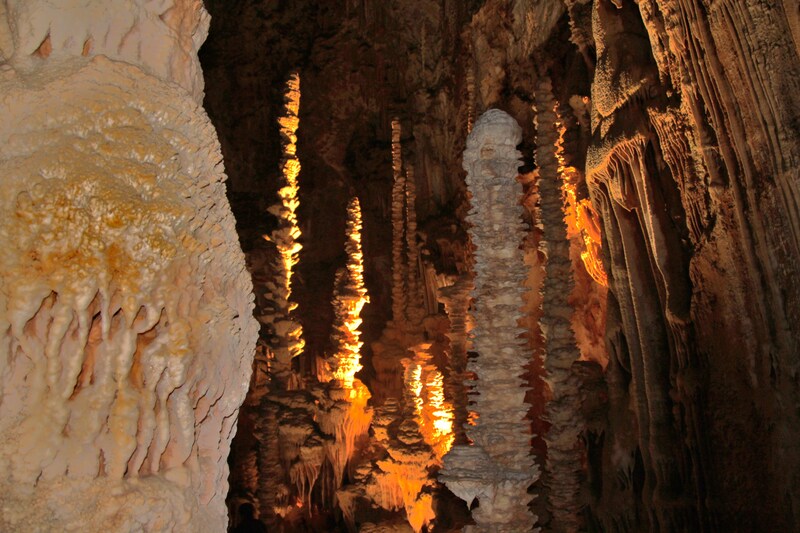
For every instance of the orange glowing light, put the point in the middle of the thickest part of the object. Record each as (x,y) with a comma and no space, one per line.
(286,235)
(580,216)
(350,296)
(425,386)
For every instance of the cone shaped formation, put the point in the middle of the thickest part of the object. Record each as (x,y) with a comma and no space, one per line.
(288,331)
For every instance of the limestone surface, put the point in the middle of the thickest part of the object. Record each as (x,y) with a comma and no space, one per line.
(125,310)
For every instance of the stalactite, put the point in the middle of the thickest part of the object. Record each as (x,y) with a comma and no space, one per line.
(398,228)
(497,469)
(562,471)
(287,330)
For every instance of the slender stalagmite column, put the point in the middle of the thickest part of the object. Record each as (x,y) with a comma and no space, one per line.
(287,330)
(415,300)
(497,469)
(349,298)
(562,471)
(398,224)
(342,410)
(456,304)
(470,96)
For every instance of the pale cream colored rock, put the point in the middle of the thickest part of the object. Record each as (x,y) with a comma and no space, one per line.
(124,303)
(497,468)
(160,36)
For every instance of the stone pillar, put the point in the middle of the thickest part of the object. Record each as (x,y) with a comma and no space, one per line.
(125,308)
(497,468)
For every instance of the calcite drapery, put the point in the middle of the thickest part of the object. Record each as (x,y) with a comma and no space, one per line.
(125,308)
(497,469)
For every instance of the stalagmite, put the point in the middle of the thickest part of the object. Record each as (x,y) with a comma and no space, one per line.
(399,265)
(470,96)
(456,301)
(288,415)
(342,411)
(124,304)
(497,469)
(562,470)
(415,299)
(288,331)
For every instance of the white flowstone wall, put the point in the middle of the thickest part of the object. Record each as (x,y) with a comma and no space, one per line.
(125,309)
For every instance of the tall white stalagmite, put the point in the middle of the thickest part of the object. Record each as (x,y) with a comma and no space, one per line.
(498,468)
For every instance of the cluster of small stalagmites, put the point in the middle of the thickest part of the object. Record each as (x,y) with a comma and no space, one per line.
(564,456)
(397,478)
(500,467)
(125,309)
(287,330)
(162,38)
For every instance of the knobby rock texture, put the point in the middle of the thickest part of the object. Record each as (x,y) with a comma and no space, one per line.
(125,308)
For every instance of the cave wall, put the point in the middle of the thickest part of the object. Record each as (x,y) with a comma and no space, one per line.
(126,309)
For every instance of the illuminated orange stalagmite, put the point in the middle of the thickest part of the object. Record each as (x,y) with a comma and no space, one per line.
(288,331)
(580,216)
(425,390)
(342,411)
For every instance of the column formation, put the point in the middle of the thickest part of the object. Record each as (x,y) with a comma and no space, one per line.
(497,468)
(564,456)
(288,332)
(398,224)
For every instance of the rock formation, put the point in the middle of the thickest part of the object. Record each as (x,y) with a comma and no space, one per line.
(126,311)
(497,468)
(286,330)
(562,469)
